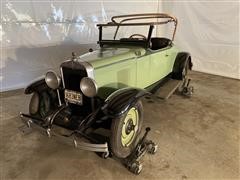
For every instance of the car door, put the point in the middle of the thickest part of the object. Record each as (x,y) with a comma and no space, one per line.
(143,70)
(158,65)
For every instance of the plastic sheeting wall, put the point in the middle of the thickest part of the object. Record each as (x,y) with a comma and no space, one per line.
(210,31)
(37,36)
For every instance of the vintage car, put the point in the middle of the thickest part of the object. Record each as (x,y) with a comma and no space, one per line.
(103,88)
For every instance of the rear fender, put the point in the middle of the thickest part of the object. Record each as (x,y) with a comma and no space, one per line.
(121,100)
(181,60)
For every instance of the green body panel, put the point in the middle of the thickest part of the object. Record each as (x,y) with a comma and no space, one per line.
(119,67)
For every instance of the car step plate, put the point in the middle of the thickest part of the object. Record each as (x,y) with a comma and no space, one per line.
(168,88)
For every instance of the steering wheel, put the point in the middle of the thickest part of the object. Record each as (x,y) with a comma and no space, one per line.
(140,35)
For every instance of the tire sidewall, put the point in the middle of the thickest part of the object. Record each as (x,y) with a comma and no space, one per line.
(44,104)
(116,132)
(184,75)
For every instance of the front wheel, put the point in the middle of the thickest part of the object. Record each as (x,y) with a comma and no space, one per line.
(40,104)
(125,131)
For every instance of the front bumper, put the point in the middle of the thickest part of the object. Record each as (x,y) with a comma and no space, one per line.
(33,123)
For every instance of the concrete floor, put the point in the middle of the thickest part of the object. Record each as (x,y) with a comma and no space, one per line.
(197,138)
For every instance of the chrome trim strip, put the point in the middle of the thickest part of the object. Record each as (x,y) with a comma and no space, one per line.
(61,72)
(59,98)
(89,68)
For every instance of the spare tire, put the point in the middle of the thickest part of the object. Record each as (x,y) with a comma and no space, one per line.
(125,131)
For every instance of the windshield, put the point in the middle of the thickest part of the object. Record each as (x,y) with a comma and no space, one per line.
(135,29)
(124,32)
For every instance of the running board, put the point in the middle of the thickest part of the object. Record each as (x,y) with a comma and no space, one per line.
(168,88)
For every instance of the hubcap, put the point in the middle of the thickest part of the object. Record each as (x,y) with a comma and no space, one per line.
(130,127)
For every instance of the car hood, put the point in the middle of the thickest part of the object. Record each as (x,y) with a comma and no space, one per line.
(106,56)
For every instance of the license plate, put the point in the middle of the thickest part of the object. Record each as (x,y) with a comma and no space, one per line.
(73,97)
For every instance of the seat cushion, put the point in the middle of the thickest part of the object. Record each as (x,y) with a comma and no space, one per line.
(159,43)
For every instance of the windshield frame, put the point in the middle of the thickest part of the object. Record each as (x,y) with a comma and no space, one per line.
(123,20)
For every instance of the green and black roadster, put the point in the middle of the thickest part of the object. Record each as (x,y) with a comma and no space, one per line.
(103,88)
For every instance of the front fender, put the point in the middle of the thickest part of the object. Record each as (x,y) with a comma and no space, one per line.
(36,86)
(121,100)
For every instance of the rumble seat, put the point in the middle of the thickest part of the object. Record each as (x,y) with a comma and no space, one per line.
(159,43)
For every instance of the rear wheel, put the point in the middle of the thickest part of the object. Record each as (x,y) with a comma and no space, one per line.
(125,131)
(185,77)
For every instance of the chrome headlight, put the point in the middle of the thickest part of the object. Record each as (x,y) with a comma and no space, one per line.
(52,80)
(88,87)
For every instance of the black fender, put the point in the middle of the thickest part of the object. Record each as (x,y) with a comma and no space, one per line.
(41,92)
(36,86)
(181,60)
(121,100)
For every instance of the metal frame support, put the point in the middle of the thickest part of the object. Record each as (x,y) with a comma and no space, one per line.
(150,35)
(100,35)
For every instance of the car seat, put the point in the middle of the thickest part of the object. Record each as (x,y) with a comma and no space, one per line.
(159,43)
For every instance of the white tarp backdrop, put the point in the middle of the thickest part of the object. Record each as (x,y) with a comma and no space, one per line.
(210,31)
(37,36)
